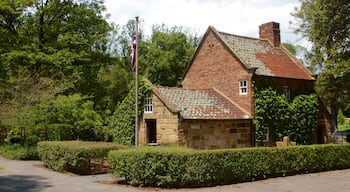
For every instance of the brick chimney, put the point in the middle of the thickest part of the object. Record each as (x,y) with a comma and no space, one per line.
(271,32)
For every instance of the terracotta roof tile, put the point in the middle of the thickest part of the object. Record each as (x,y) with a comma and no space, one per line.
(268,59)
(201,104)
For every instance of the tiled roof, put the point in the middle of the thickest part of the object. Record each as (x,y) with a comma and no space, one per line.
(268,59)
(201,104)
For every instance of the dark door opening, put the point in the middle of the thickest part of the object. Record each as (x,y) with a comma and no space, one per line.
(319,133)
(151,130)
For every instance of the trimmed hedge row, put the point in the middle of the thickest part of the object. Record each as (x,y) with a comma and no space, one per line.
(76,156)
(179,167)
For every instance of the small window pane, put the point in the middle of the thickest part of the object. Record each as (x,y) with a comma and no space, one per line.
(148,105)
(243,87)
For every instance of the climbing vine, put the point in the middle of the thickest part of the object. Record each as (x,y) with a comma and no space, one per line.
(296,118)
(122,122)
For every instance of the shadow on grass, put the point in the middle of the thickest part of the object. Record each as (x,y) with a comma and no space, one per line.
(19,183)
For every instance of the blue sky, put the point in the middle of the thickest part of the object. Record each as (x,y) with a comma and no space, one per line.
(240,17)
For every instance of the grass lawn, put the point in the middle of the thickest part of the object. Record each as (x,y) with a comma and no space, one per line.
(345,127)
(1,168)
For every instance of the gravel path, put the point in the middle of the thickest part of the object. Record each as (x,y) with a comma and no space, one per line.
(23,176)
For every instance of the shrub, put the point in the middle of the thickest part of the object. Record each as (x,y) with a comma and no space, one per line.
(76,156)
(57,118)
(122,122)
(179,167)
(18,152)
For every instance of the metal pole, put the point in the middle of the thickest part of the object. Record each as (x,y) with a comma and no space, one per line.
(136,85)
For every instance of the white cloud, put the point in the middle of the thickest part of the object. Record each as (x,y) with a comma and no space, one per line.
(241,17)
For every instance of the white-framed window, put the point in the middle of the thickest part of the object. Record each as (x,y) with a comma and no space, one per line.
(148,105)
(243,87)
(266,134)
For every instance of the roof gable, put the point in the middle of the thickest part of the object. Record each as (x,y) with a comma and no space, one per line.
(259,55)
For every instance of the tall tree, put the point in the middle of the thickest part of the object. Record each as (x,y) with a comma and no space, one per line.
(326,24)
(53,38)
(166,55)
(57,45)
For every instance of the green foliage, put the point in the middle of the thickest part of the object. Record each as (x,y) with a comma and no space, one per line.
(122,123)
(296,119)
(18,152)
(347,110)
(290,47)
(304,111)
(326,26)
(55,48)
(343,125)
(344,128)
(341,118)
(179,167)
(65,155)
(166,55)
(58,118)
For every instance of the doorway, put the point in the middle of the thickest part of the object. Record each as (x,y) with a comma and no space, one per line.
(151,130)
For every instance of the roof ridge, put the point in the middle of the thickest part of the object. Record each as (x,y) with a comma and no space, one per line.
(242,36)
(232,102)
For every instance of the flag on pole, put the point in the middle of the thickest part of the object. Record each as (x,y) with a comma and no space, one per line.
(133,53)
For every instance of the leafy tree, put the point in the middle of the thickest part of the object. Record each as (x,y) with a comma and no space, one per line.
(290,47)
(165,56)
(326,24)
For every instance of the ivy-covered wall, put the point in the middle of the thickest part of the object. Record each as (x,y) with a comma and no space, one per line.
(296,118)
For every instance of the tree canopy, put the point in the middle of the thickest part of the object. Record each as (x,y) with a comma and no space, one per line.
(326,24)
(62,63)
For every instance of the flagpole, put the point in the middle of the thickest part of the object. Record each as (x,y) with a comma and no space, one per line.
(136,84)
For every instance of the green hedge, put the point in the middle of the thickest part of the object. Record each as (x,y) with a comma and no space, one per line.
(74,156)
(19,152)
(178,167)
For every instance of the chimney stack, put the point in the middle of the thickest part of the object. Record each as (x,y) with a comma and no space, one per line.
(271,32)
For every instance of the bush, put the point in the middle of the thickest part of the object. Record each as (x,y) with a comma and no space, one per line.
(57,118)
(19,152)
(75,156)
(179,167)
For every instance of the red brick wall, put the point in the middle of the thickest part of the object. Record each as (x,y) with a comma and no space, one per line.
(214,66)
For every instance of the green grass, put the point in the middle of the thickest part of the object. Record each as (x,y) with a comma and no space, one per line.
(1,168)
(18,152)
(344,128)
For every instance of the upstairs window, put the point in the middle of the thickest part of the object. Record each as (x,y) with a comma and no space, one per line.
(148,105)
(243,87)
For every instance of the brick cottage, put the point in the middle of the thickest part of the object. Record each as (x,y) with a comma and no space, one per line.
(215,106)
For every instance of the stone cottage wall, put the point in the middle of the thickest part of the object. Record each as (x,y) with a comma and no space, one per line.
(215,134)
(166,122)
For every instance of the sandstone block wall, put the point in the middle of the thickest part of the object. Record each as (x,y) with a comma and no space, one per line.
(215,134)
(166,123)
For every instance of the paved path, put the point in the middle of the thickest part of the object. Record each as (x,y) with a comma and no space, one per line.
(23,176)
